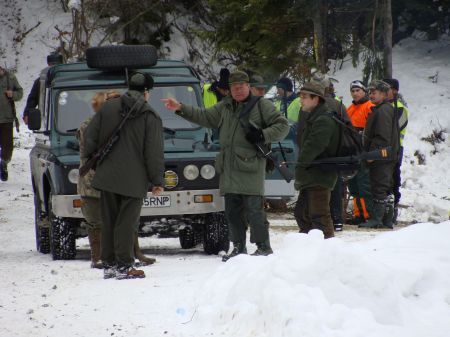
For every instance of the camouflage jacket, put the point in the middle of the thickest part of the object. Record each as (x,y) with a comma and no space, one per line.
(84,187)
(8,82)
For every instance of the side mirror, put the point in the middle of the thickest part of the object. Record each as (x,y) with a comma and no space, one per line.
(34,119)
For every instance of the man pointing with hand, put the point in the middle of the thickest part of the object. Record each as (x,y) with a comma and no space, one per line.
(241,168)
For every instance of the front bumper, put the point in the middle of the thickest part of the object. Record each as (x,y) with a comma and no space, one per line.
(180,203)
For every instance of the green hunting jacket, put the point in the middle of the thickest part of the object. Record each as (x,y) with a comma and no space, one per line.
(382,130)
(241,169)
(84,186)
(8,82)
(319,139)
(137,158)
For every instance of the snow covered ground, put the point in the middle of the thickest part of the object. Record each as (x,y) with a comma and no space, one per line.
(362,283)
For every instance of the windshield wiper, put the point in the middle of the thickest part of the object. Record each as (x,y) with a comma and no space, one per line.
(169,131)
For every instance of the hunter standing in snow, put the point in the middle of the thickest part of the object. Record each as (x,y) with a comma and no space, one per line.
(10,91)
(123,177)
(241,169)
(381,131)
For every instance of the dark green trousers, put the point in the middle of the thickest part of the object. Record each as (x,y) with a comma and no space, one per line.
(240,209)
(381,179)
(312,210)
(6,141)
(120,216)
(359,188)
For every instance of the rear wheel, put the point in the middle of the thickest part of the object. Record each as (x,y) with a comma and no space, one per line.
(216,234)
(62,236)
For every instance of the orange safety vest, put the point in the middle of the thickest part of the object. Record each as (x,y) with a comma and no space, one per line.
(358,113)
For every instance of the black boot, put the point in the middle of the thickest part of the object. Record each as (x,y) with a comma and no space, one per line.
(238,248)
(376,217)
(338,227)
(3,171)
(263,249)
(389,213)
(356,220)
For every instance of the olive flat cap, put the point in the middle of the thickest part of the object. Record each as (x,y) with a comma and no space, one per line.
(313,88)
(140,82)
(238,77)
(379,85)
(257,81)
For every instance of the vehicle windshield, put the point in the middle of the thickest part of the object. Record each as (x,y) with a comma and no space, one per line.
(74,107)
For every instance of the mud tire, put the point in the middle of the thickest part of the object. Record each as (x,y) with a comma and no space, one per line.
(215,237)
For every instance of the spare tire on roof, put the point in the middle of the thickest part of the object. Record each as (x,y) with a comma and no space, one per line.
(118,57)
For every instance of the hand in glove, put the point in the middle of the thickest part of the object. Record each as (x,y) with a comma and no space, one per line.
(254,135)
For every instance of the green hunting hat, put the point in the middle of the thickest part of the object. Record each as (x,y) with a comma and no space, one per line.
(379,85)
(238,77)
(257,81)
(140,82)
(313,88)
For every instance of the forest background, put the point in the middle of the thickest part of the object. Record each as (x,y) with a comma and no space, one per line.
(270,37)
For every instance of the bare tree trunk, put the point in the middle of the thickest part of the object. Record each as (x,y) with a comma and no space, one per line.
(320,35)
(387,38)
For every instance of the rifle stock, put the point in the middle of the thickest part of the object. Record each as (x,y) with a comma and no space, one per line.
(100,154)
(266,152)
(376,155)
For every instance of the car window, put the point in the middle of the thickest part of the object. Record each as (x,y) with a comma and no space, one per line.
(74,106)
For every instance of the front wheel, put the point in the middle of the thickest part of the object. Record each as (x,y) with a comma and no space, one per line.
(62,236)
(187,237)
(216,234)
(41,228)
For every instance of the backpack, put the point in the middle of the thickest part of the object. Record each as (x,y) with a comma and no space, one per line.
(350,145)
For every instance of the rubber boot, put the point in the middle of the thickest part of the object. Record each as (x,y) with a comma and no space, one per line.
(376,219)
(95,239)
(263,249)
(143,260)
(238,248)
(388,218)
(356,220)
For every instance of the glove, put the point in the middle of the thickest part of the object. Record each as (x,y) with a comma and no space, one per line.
(254,135)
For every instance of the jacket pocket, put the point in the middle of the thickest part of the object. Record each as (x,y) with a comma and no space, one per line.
(246,159)
(218,164)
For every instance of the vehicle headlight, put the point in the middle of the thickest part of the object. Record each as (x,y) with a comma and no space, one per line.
(191,172)
(73,176)
(208,171)
(170,179)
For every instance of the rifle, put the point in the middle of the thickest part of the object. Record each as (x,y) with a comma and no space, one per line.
(352,162)
(11,101)
(99,155)
(262,148)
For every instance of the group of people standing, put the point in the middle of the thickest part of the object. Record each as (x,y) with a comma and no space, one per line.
(241,123)
(379,114)
(112,195)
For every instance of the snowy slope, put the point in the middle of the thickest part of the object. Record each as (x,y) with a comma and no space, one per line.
(366,283)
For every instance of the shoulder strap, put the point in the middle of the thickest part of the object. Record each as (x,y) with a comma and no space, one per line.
(249,106)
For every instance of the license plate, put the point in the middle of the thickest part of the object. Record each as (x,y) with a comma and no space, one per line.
(156,201)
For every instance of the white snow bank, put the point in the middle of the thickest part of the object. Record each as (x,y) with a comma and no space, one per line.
(397,284)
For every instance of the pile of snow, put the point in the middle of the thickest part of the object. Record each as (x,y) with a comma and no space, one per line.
(397,284)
